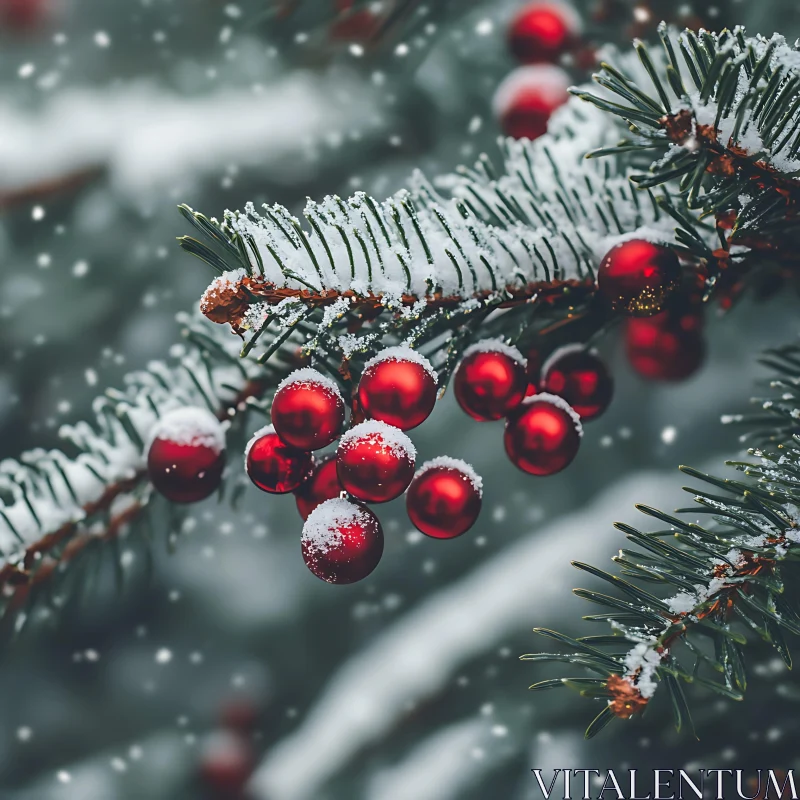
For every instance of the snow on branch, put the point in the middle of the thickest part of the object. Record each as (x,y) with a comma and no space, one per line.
(147,138)
(534,230)
(49,499)
(718,113)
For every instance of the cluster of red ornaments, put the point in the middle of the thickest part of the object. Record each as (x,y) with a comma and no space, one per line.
(539,36)
(374,462)
(543,408)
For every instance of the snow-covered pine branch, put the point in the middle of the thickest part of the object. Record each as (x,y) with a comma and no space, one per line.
(52,504)
(719,113)
(732,569)
(533,231)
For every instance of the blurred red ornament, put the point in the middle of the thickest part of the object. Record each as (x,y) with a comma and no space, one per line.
(342,541)
(667,347)
(637,277)
(581,378)
(543,31)
(527,98)
(226,764)
(23,15)
(543,435)
(323,484)
(187,455)
(398,387)
(273,465)
(308,410)
(375,462)
(490,380)
(444,498)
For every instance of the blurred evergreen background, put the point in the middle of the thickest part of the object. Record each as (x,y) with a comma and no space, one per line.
(405,686)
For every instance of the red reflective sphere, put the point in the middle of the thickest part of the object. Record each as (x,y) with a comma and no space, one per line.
(490,382)
(542,437)
(582,379)
(637,277)
(342,541)
(527,98)
(375,462)
(323,484)
(184,473)
(398,391)
(444,500)
(543,32)
(666,347)
(273,465)
(308,410)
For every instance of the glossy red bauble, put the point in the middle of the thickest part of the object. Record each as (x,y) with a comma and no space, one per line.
(666,347)
(581,378)
(308,410)
(375,462)
(323,484)
(187,455)
(444,498)
(490,380)
(543,31)
(638,277)
(342,541)
(226,763)
(543,436)
(527,98)
(398,387)
(273,465)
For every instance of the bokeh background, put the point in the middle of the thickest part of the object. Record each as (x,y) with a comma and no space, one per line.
(406,686)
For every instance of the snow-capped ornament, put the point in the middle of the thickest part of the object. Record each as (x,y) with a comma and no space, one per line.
(227,760)
(543,435)
(321,485)
(308,410)
(637,277)
(398,387)
(581,378)
(543,32)
(490,380)
(444,498)
(186,455)
(342,541)
(273,465)
(667,347)
(375,462)
(526,99)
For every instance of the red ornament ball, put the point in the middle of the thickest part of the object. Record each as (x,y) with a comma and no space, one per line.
(323,484)
(666,347)
(444,498)
(581,378)
(226,763)
(375,462)
(308,410)
(23,15)
(273,465)
(526,99)
(533,369)
(342,541)
(186,455)
(543,32)
(637,277)
(398,387)
(543,436)
(490,380)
